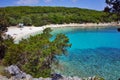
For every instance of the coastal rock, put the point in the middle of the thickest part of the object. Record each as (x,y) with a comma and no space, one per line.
(13,70)
(47,79)
(89,78)
(17,74)
(41,78)
(93,78)
(69,78)
(35,79)
(76,78)
(56,76)
(3,78)
(29,77)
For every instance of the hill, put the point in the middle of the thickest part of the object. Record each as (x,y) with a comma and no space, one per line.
(39,16)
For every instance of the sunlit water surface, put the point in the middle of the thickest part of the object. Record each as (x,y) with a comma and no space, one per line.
(93,52)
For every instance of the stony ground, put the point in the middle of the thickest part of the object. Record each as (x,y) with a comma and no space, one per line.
(19,75)
(64,78)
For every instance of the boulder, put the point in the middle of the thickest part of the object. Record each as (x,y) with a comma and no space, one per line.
(56,76)
(76,78)
(17,74)
(3,78)
(47,79)
(69,78)
(13,70)
(29,77)
(35,79)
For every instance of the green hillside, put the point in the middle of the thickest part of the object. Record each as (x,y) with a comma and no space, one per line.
(54,15)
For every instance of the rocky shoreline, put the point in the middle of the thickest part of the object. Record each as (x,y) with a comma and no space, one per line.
(64,78)
(16,74)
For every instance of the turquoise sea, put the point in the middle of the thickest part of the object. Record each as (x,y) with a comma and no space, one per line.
(93,52)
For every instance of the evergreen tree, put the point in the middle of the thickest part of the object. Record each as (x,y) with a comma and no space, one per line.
(114,7)
(36,54)
(3,28)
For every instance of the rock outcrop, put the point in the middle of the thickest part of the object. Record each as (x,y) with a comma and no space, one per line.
(64,78)
(13,70)
(17,74)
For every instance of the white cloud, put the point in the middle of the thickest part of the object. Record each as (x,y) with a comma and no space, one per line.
(27,2)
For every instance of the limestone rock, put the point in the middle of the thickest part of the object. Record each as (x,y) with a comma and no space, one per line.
(3,78)
(17,74)
(29,77)
(15,71)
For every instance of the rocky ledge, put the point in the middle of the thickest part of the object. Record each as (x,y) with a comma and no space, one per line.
(17,74)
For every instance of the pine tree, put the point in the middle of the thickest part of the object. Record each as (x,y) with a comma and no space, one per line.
(3,29)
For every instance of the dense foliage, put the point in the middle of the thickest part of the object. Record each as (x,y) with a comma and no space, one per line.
(36,54)
(114,7)
(3,28)
(55,15)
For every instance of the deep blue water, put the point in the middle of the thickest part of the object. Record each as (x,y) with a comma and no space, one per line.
(93,52)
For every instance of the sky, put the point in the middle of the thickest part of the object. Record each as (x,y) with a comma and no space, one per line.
(89,4)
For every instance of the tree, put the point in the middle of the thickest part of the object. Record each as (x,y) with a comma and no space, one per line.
(27,21)
(3,28)
(13,21)
(106,9)
(36,54)
(113,6)
(3,20)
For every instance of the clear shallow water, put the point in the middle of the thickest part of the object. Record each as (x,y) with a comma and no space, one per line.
(93,52)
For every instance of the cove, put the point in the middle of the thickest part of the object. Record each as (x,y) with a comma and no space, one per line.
(94,52)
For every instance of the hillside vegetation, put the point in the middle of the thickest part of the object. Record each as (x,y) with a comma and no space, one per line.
(39,16)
